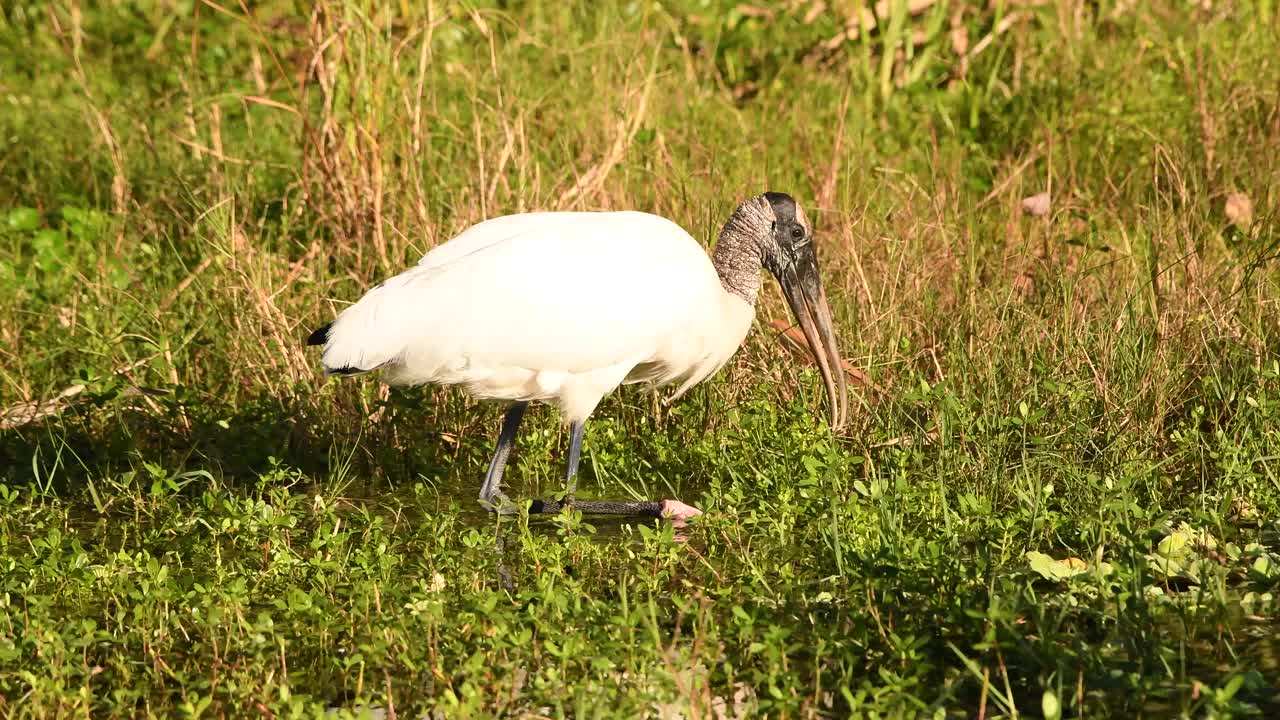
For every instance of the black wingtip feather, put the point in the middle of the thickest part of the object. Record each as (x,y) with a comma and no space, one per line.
(320,336)
(345,371)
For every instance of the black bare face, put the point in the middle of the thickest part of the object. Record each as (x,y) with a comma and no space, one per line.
(791,252)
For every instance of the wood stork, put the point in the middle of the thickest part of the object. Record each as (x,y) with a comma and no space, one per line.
(563,307)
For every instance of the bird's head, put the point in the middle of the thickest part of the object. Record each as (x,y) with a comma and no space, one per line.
(783,237)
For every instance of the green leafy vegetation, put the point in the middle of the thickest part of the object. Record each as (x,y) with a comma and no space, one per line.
(1049,233)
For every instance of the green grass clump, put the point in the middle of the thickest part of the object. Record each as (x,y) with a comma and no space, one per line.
(1057,497)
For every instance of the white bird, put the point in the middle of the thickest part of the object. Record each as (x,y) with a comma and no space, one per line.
(563,307)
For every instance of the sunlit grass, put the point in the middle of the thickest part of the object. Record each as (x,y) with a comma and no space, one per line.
(1057,496)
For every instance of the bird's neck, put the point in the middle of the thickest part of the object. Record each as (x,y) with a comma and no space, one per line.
(737,262)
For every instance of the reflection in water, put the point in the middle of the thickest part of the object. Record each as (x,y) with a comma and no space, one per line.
(500,547)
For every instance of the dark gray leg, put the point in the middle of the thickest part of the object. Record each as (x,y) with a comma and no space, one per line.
(590,507)
(576,431)
(491,495)
(494,500)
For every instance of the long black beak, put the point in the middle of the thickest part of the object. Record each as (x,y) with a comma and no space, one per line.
(802,286)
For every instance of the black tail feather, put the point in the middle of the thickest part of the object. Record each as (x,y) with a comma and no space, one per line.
(320,336)
(345,371)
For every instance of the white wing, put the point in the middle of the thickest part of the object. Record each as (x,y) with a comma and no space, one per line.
(495,230)
(531,298)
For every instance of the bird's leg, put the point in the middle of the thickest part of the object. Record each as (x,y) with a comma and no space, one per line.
(652,508)
(491,495)
(576,431)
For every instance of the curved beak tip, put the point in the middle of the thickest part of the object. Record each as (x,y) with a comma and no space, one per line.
(808,303)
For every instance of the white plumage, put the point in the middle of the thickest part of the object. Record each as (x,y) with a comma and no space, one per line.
(558,306)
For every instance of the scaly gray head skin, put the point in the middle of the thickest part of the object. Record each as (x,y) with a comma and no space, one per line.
(771,231)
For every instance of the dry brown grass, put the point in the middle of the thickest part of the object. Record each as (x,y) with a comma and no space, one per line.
(410,125)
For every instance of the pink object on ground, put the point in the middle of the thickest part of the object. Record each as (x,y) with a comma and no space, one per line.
(677,511)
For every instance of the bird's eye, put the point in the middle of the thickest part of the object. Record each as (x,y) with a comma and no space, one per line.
(797,232)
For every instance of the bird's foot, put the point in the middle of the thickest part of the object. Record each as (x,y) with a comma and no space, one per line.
(673,510)
(677,512)
(499,503)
